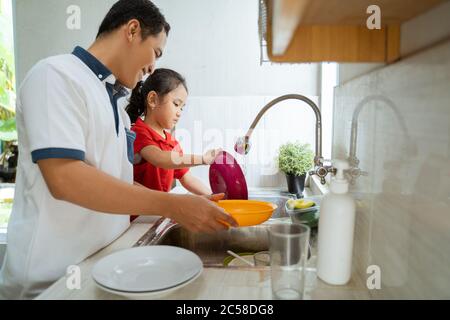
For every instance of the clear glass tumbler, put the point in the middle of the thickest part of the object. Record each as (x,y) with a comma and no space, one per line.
(289,245)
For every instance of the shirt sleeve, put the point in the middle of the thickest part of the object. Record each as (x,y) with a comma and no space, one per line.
(142,140)
(179,173)
(55,115)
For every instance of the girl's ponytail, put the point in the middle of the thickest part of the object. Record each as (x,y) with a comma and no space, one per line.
(137,103)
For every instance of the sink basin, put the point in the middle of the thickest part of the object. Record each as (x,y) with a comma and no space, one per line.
(278,199)
(212,249)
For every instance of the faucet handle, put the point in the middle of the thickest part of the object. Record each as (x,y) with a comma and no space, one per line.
(322,171)
(355,173)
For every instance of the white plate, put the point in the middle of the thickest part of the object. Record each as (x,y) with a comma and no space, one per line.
(151,294)
(145,269)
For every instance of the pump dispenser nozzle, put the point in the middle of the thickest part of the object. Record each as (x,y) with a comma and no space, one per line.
(339,184)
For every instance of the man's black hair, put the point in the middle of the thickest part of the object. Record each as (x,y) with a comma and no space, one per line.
(150,18)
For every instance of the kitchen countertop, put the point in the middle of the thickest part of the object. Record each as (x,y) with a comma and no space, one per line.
(213,284)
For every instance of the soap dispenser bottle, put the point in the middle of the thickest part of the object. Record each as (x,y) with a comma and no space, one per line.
(336,229)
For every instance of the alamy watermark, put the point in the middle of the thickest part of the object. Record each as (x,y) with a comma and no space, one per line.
(374,279)
(73,21)
(73,277)
(374,20)
(262,156)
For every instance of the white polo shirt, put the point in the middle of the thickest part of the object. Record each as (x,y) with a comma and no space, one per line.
(66,108)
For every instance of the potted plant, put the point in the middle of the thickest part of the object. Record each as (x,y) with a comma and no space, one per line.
(295,159)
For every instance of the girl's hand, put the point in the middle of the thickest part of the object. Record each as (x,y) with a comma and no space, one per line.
(210,155)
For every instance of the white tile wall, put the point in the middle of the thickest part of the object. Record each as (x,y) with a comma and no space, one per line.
(403,215)
(216,122)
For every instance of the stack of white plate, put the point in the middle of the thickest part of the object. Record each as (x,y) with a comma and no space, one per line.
(147,272)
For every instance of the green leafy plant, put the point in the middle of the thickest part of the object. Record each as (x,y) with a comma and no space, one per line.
(8,132)
(295,158)
(7,97)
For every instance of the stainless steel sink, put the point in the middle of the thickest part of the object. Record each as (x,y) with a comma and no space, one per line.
(279,200)
(212,249)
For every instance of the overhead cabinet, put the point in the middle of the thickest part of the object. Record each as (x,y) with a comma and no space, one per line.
(337,30)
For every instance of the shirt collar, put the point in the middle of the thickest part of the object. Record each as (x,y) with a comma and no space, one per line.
(155,135)
(98,68)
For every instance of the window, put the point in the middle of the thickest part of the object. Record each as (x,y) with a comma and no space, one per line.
(8,134)
(329,81)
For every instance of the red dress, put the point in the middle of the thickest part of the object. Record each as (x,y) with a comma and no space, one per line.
(144,172)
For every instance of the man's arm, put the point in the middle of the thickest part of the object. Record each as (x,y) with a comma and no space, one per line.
(77,182)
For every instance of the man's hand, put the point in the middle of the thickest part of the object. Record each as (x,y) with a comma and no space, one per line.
(198,214)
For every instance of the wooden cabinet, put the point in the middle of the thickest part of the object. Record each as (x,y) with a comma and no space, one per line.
(336,30)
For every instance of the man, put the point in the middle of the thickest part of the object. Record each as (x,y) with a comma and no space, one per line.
(74,188)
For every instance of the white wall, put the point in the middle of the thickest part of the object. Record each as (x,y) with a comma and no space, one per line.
(403,205)
(349,71)
(215,44)
(419,33)
(41,31)
(402,219)
(219,45)
(425,30)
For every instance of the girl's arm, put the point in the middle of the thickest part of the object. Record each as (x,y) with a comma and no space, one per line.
(194,185)
(173,160)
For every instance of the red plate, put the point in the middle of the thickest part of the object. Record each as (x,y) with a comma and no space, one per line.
(226,176)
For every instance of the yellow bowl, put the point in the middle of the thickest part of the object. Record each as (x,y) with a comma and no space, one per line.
(248,212)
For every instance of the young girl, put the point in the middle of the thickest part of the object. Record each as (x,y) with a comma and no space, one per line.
(158,158)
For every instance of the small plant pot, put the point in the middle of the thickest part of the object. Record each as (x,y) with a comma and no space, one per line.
(296,184)
(7,175)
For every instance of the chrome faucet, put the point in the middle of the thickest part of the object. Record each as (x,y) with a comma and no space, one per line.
(355,172)
(243,144)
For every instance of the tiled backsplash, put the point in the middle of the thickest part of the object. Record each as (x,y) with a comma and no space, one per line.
(403,206)
(213,122)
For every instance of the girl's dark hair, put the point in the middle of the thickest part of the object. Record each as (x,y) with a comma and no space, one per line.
(151,19)
(162,81)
